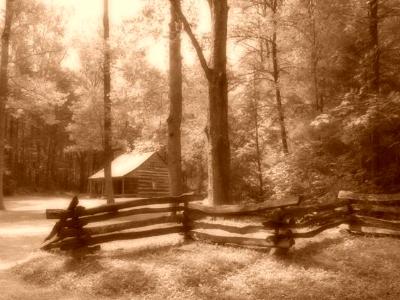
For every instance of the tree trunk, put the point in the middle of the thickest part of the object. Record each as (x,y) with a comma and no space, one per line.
(257,140)
(5,42)
(217,127)
(374,79)
(314,57)
(175,103)
(276,75)
(374,35)
(108,155)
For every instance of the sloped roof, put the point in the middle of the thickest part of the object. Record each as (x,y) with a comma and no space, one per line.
(124,164)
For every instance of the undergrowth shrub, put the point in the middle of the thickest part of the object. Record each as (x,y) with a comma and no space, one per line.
(41,271)
(209,270)
(122,281)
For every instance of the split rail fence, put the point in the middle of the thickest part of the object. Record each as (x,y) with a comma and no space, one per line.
(273,225)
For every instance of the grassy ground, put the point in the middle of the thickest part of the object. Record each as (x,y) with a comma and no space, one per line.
(333,266)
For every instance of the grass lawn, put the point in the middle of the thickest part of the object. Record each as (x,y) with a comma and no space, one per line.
(334,265)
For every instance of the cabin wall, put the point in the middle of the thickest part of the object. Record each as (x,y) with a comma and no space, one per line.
(152,178)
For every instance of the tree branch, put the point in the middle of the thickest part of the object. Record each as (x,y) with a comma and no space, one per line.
(192,37)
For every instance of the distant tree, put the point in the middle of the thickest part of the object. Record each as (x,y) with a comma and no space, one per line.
(37,111)
(314,59)
(274,5)
(108,152)
(259,36)
(5,43)
(175,102)
(217,125)
(373,11)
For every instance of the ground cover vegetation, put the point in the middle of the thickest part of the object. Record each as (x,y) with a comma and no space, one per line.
(337,266)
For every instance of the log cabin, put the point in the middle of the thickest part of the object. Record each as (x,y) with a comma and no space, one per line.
(134,174)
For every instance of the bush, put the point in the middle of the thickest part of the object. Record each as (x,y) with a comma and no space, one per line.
(123,281)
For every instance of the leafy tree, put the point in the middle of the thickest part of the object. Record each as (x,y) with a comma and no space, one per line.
(217,125)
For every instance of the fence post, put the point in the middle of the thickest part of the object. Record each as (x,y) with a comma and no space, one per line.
(186,220)
(352,222)
(55,233)
(282,239)
(81,236)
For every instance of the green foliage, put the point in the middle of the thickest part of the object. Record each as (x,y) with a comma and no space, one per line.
(325,55)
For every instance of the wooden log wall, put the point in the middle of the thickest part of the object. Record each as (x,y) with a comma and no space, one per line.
(279,223)
(152,178)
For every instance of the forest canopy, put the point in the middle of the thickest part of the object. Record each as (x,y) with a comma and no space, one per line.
(312,94)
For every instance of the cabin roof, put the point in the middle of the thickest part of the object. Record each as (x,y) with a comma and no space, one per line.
(124,164)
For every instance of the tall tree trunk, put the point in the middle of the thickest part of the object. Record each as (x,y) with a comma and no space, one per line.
(375,78)
(5,42)
(276,75)
(256,100)
(217,128)
(374,36)
(108,154)
(318,103)
(175,103)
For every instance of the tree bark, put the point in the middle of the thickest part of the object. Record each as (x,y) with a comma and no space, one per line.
(256,101)
(218,149)
(276,75)
(175,103)
(374,79)
(217,129)
(374,35)
(108,155)
(314,57)
(5,43)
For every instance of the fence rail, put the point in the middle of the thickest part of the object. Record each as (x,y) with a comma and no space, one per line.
(279,223)
(71,232)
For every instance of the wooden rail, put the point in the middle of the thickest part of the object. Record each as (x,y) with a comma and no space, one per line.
(71,232)
(278,223)
(373,214)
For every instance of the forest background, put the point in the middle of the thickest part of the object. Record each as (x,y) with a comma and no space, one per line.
(314,102)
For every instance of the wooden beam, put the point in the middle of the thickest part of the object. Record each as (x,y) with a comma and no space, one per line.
(72,243)
(381,199)
(300,211)
(373,234)
(219,239)
(377,223)
(120,214)
(314,232)
(109,208)
(308,221)
(378,214)
(232,229)
(104,229)
(227,210)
